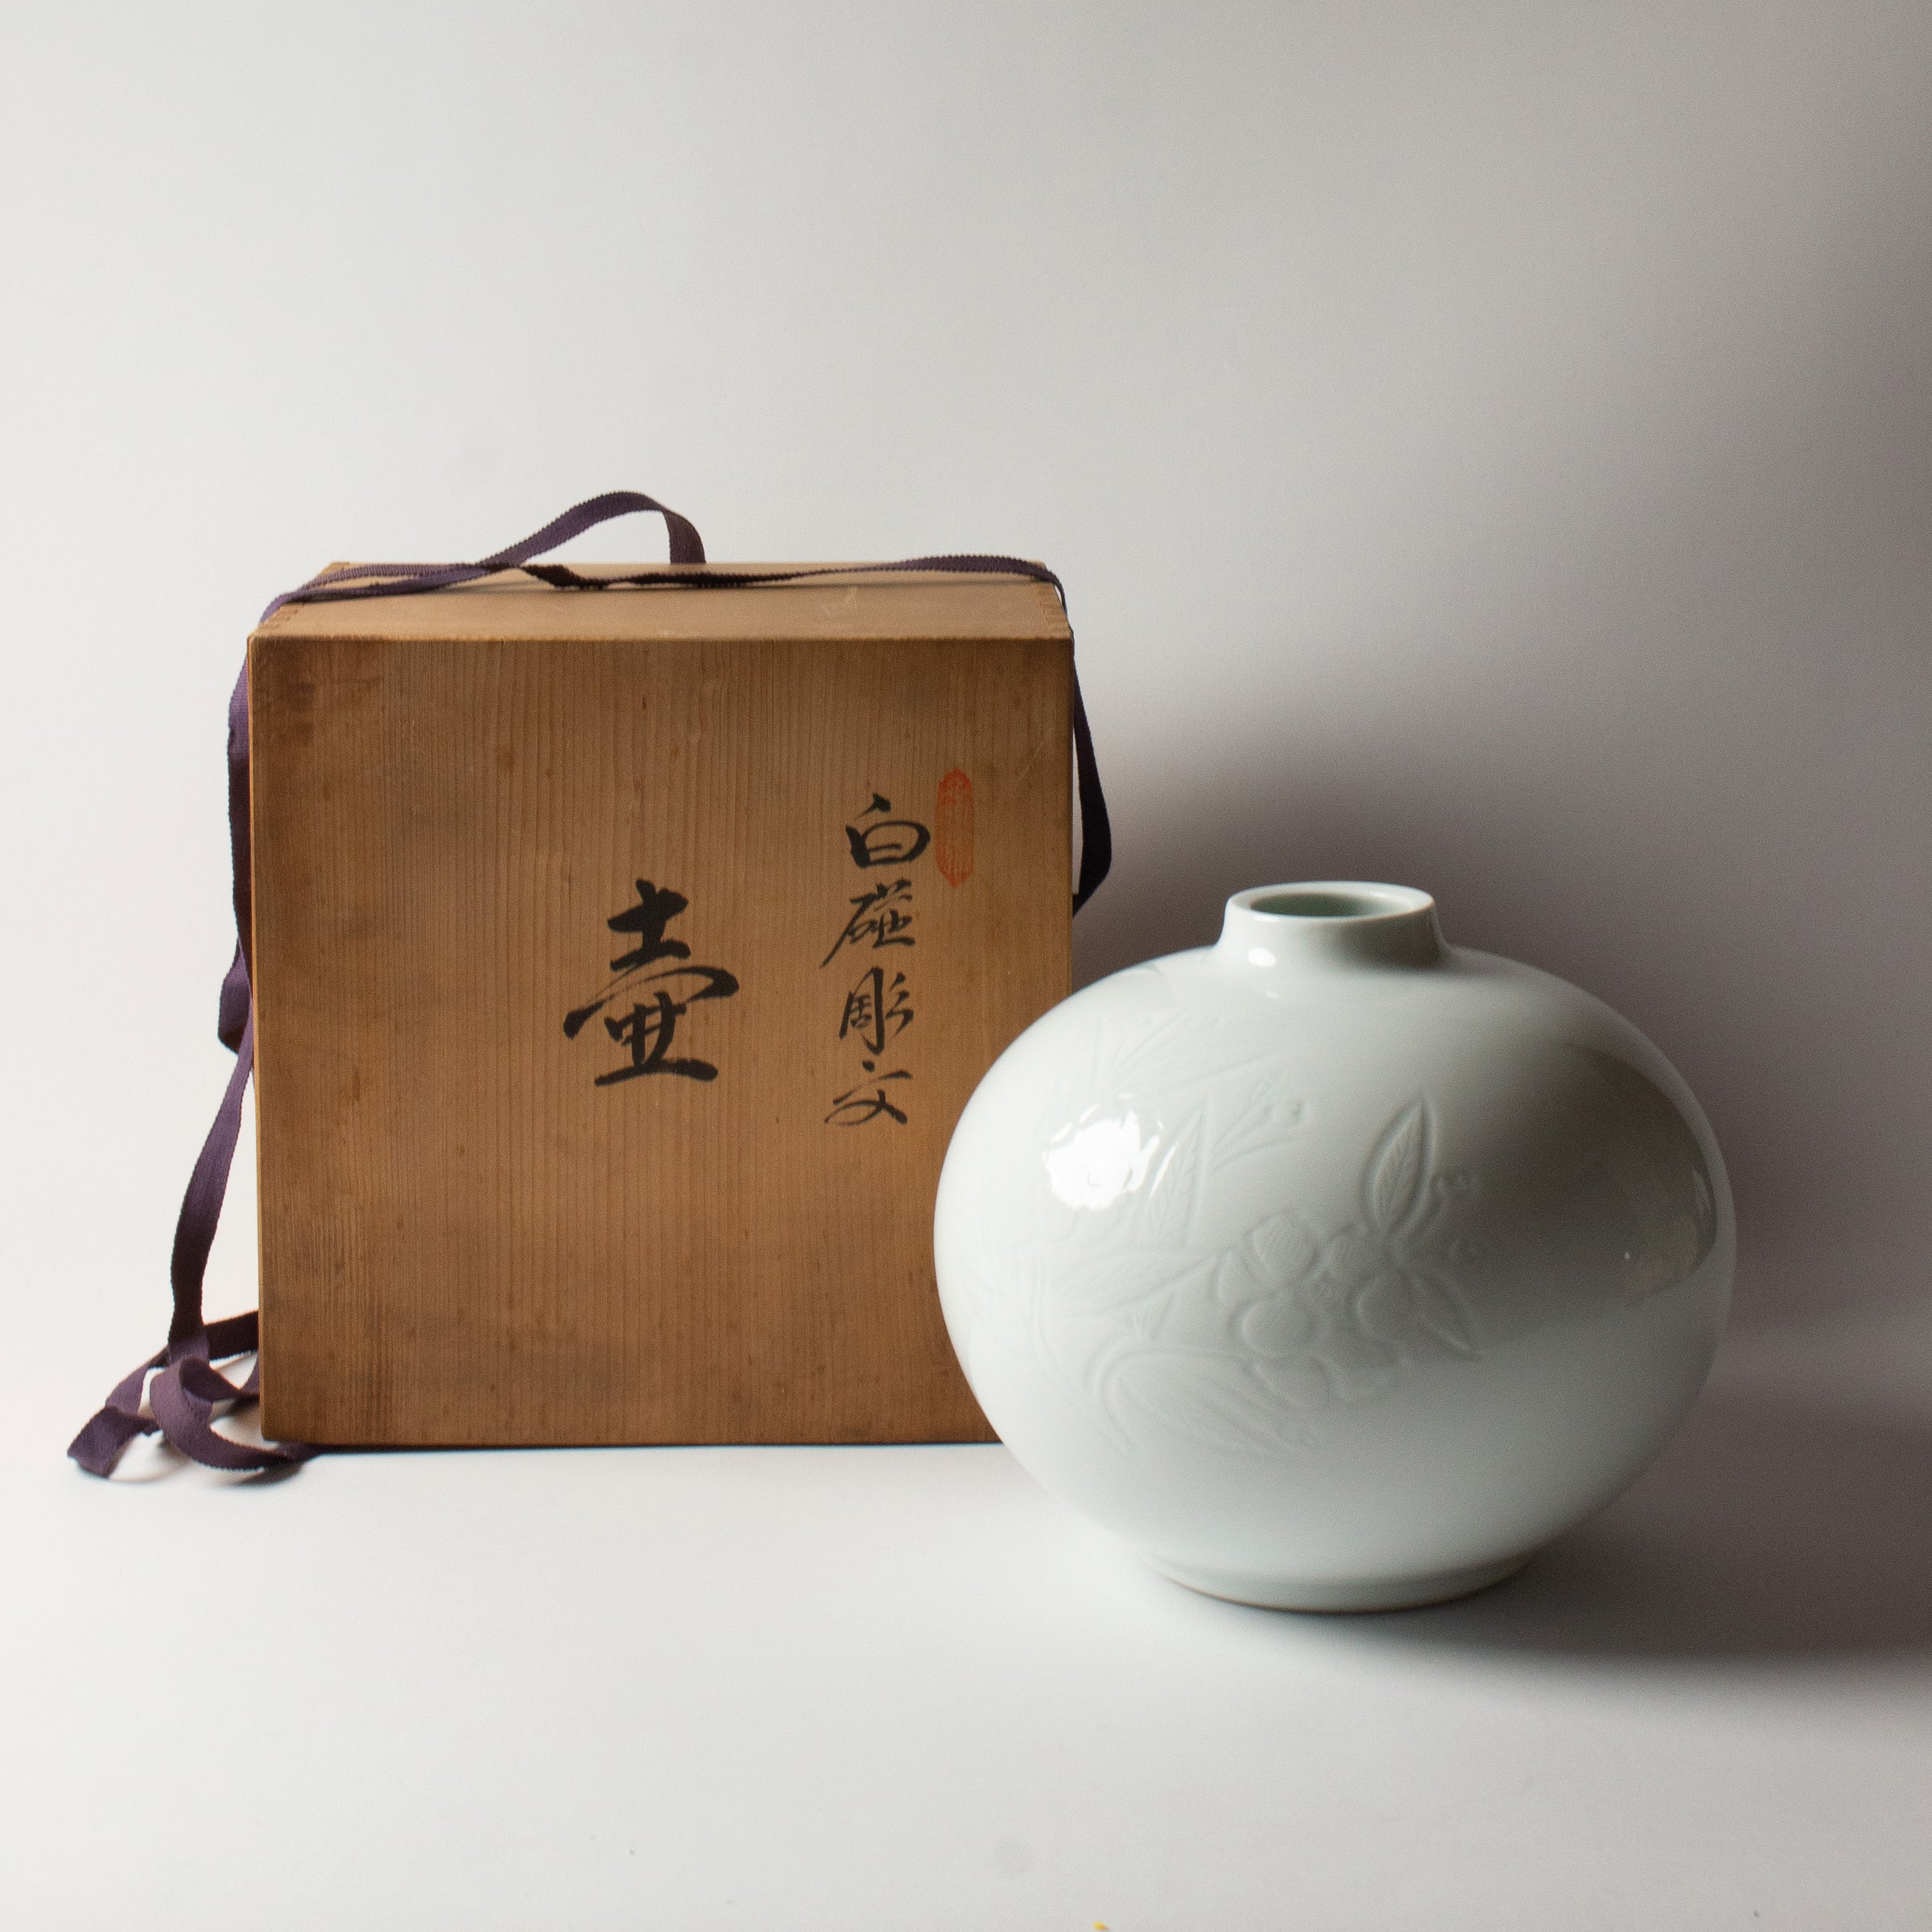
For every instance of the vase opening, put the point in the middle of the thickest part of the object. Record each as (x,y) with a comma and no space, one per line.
(1314,902)
(1333,922)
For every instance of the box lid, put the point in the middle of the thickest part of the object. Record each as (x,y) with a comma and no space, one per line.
(895,606)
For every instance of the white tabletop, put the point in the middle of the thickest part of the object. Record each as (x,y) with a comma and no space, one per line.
(902,1687)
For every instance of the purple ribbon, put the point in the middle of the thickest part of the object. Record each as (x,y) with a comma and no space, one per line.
(186,1387)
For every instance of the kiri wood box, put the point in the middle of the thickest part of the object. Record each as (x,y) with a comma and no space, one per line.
(622,961)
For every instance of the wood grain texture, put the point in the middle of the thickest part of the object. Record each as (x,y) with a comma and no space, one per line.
(465,1239)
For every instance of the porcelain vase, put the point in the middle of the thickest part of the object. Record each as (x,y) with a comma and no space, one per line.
(1331,1266)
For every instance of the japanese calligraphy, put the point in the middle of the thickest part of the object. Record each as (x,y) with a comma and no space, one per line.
(866,1102)
(886,841)
(646,1004)
(875,1011)
(882,917)
(877,1007)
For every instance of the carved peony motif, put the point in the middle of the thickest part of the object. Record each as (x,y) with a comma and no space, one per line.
(1239,1347)
(1335,1318)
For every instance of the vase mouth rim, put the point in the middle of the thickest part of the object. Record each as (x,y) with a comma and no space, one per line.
(1321,924)
(1331,902)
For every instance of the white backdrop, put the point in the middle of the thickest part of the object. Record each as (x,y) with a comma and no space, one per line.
(1488,447)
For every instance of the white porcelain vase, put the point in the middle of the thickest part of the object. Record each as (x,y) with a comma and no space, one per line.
(1333,1267)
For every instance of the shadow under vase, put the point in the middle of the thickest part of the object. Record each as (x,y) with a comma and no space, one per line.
(1769,1527)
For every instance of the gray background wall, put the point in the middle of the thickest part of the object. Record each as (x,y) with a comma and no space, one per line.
(1489,446)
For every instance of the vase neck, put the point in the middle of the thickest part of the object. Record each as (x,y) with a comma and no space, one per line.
(1330,923)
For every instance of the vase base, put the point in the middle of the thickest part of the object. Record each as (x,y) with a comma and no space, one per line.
(1303,1593)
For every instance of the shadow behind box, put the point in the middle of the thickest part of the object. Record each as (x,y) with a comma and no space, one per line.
(547,1156)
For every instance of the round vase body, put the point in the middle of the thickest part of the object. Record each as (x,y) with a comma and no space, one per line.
(1331,1266)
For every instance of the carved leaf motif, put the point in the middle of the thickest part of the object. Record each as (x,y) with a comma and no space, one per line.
(1440,1315)
(1211,1400)
(1129,1056)
(1174,1049)
(1002,1296)
(1393,1185)
(1171,1195)
(1121,1281)
(1266,1120)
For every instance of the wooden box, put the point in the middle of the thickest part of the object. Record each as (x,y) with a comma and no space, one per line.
(622,961)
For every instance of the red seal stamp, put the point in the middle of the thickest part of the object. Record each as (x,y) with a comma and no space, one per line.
(952,828)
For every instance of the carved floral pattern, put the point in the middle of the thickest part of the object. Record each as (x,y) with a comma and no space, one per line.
(1237,1347)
